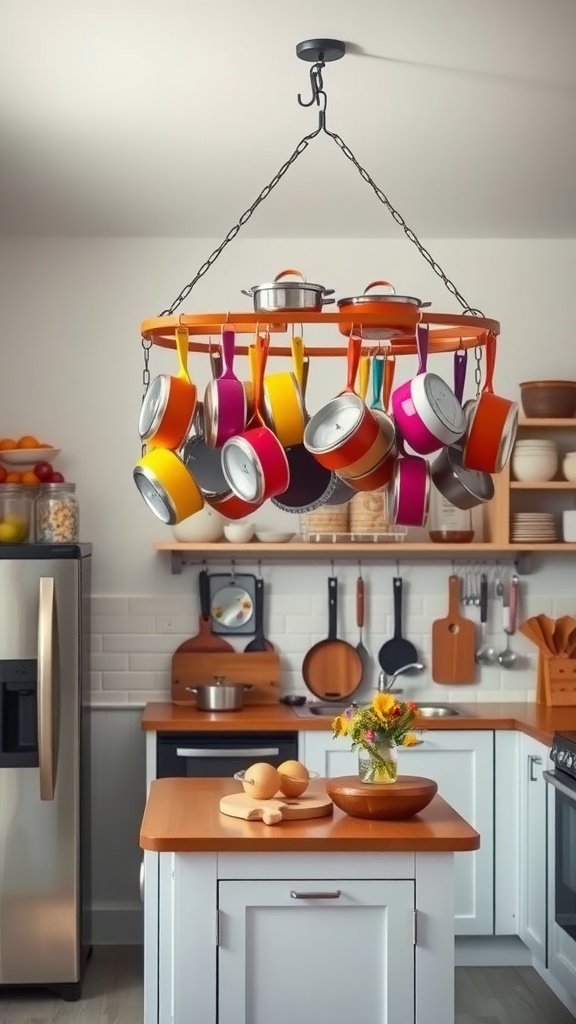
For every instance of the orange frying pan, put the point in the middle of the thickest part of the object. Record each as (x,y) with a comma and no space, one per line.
(492,425)
(332,669)
(169,404)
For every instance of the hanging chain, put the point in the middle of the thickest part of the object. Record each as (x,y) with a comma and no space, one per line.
(320,98)
(146,346)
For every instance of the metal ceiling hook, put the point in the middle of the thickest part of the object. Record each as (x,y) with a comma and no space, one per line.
(316,84)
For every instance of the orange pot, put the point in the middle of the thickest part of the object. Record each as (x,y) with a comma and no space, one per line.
(492,424)
(400,313)
(169,403)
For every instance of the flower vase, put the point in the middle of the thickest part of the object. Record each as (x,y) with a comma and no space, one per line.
(379,764)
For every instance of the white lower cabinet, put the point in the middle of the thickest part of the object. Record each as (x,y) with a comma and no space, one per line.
(462,763)
(533,846)
(316,950)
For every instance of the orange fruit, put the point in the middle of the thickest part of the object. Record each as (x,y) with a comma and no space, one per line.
(30,478)
(13,478)
(261,780)
(27,441)
(7,444)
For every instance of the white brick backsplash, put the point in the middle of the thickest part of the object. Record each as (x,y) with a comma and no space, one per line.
(153,643)
(131,644)
(149,662)
(134,681)
(123,624)
(109,662)
(164,605)
(102,604)
(101,698)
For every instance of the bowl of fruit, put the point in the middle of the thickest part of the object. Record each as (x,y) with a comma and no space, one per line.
(28,461)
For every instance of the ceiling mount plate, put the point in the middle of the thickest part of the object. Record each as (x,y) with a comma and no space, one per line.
(325,50)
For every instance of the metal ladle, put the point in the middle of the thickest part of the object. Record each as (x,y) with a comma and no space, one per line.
(508,657)
(485,655)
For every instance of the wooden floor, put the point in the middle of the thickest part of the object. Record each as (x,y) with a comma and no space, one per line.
(113,995)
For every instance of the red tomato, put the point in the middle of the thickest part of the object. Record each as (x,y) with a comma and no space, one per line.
(56,478)
(43,471)
(3,475)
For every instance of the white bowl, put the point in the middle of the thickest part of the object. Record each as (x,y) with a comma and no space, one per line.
(272,537)
(205,527)
(528,467)
(239,533)
(29,456)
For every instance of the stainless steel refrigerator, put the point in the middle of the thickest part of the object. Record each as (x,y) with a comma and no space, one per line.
(44,814)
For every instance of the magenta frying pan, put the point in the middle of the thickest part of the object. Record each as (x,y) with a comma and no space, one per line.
(224,398)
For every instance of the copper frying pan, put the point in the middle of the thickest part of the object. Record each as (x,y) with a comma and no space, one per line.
(332,669)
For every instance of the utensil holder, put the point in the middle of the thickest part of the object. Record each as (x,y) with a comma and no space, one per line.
(559,681)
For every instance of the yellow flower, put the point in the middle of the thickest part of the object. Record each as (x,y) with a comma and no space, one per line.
(382,705)
(410,739)
(340,726)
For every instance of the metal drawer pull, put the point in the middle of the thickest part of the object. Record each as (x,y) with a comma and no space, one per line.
(532,760)
(315,895)
(234,752)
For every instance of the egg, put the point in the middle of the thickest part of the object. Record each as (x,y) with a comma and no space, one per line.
(261,781)
(294,778)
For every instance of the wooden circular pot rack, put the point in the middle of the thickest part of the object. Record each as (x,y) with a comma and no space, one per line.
(449,332)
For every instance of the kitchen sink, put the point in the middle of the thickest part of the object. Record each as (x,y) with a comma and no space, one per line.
(431,709)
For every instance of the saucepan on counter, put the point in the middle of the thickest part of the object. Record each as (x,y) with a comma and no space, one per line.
(289,295)
(492,423)
(169,403)
(400,313)
(219,695)
(426,411)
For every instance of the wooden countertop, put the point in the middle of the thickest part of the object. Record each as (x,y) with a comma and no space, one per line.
(536,720)
(183,816)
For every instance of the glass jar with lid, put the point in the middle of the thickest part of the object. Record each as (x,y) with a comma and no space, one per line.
(16,513)
(57,514)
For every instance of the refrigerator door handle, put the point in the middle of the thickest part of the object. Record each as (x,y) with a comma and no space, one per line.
(46,616)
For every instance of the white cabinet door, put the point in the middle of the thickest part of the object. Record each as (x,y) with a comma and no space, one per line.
(533,853)
(462,763)
(302,951)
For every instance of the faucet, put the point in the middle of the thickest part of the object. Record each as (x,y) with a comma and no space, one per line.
(386,683)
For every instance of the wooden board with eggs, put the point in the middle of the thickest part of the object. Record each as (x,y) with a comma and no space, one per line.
(274,794)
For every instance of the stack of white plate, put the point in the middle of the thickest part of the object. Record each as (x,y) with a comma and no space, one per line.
(534,460)
(533,527)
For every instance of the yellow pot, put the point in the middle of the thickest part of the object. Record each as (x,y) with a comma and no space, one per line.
(167,486)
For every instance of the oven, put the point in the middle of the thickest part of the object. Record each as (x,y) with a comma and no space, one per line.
(564,882)
(221,754)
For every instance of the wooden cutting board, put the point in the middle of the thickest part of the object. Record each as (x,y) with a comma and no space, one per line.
(261,670)
(280,808)
(453,643)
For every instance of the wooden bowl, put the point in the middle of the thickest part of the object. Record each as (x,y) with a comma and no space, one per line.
(552,399)
(404,798)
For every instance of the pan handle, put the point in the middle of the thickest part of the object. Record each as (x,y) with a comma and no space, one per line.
(397,591)
(360,602)
(204,590)
(332,607)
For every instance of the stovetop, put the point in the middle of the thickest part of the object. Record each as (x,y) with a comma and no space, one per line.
(563,752)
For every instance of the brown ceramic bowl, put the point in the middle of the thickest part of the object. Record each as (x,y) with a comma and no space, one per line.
(404,798)
(551,399)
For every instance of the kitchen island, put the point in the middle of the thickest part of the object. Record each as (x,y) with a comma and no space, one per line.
(332,918)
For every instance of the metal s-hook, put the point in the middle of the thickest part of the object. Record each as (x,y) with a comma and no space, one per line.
(316,84)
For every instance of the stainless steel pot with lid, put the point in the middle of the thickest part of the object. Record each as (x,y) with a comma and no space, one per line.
(289,295)
(219,695)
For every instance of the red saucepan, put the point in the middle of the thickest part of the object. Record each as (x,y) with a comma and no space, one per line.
(342,432)
(169,403)
(426,411)
(224,398)
(492,423)
(254,462)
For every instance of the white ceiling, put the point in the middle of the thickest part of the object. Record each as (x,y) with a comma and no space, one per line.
(166,117)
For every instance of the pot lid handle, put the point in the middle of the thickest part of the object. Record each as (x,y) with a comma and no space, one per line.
(292,273)
(385,284)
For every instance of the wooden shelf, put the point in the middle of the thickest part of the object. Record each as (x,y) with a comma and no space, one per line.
(301,551)
(543,485)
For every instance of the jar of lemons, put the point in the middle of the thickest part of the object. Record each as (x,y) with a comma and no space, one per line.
(16,513)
